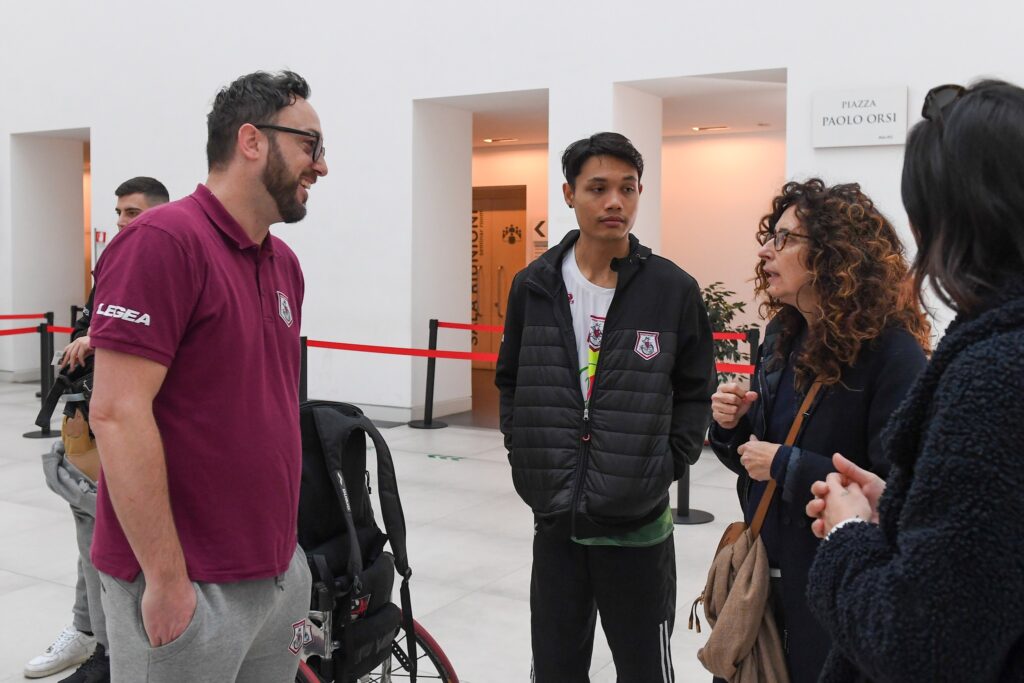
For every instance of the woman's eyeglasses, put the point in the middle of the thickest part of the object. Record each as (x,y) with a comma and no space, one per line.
(779,237)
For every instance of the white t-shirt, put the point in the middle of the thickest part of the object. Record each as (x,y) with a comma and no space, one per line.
(589,305)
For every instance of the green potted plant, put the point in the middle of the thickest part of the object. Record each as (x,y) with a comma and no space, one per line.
(721,311)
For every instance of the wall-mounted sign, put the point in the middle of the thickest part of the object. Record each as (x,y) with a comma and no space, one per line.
(867,116)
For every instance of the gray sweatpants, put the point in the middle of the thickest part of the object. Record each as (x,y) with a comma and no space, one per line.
(249,631)
(68,482)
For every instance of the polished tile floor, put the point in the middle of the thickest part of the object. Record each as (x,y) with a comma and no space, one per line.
(469,546)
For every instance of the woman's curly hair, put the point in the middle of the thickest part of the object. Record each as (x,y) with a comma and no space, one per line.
(858,270)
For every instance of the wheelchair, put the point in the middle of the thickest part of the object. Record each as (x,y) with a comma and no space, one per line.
(431,662)
(354,633)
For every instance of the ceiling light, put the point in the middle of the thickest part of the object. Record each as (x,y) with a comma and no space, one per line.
(704,129)
(501,139)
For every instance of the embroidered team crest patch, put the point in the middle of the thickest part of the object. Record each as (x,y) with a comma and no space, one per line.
(596,333)
(647,346)
(284,309)
(300,636)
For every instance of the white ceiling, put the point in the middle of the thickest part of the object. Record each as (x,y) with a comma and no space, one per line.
(744,101)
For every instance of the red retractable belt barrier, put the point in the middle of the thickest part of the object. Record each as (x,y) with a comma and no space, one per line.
(717,336)
(62,330)
(402,351)
(23,316)
(739,368)
(474,327)
(17,331)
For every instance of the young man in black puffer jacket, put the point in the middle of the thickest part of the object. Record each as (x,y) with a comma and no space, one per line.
(606,370)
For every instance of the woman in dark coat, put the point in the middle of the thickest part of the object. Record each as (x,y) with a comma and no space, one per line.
(830,271)
(925,582)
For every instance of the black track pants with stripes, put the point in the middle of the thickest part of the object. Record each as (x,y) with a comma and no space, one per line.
(633,589)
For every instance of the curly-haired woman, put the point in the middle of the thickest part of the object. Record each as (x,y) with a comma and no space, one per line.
(834,281)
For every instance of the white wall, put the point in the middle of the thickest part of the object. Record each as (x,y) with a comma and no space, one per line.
(441,237)
(717,187)
(46,215)
(145,102)
(519,165)
(638,116)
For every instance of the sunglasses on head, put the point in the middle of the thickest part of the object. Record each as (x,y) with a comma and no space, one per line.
(939,98)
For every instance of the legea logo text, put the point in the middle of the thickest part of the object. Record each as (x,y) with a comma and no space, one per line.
(123,313)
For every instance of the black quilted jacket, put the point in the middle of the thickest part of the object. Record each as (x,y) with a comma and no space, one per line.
(650,406)
(935,592)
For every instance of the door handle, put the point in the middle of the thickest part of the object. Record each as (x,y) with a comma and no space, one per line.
(497,304)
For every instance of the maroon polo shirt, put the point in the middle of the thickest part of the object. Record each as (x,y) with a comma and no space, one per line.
(184,286)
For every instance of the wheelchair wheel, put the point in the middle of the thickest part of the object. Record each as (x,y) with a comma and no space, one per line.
(431,663)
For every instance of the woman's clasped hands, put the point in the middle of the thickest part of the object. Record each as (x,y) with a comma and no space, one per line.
(851,492)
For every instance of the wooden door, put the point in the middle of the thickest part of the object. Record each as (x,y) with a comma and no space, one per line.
(499,252)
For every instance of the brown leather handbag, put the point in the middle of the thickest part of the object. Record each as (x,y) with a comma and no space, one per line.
(745,645)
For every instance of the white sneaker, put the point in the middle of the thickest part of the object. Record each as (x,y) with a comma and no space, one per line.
(70,648)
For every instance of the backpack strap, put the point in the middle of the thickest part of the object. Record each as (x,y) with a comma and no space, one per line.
(50,401)
(394,526)
(387,491)
(332,431)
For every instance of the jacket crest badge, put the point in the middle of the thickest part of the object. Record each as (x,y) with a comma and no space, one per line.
(647,346)
(284,309)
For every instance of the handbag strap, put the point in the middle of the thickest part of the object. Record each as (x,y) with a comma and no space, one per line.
(794,429)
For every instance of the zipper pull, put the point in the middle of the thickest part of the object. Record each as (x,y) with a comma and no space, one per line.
(586,425)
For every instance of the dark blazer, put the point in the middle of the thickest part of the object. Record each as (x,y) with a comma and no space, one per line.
(848,418)
(606,469)
(935,591)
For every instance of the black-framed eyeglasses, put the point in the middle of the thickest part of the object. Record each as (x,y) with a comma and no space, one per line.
(939,98)
(779,237)
(318,142)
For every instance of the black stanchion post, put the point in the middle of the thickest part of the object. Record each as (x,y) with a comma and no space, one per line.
(47,366)
(754,339)
(45,372)
(303,395)
(428,421)
(75,310)
(683,514)
(49,321)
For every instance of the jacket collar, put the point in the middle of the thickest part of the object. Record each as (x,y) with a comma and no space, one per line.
(549,271)
(771,368)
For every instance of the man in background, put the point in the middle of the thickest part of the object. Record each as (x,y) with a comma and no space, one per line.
(72,469)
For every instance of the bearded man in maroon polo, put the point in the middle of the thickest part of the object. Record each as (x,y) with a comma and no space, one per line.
(195,535)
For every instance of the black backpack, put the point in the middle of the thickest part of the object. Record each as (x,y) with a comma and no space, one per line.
(352,574)
(77,385)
